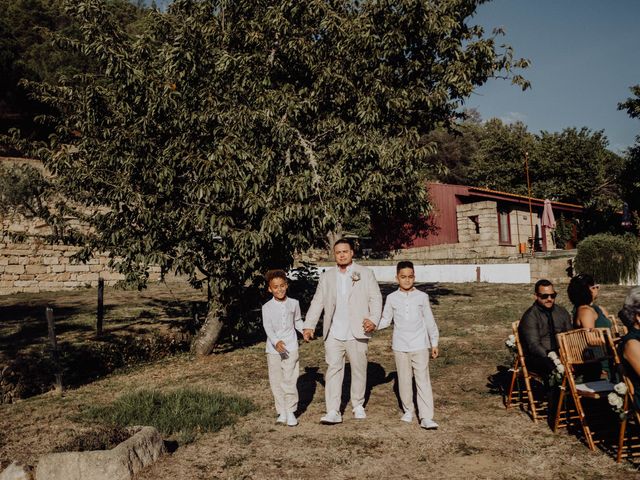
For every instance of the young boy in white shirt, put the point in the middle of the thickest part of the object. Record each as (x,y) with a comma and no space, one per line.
(415,330)
(281,318)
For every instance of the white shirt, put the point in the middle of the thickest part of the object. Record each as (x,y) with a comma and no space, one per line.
(414,326)
(340,325)
(280,321)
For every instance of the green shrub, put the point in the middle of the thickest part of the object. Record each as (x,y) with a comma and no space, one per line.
(183,412)
(609,258)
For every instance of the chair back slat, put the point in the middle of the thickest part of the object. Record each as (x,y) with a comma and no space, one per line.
(583,346)
(617,329)
(514,327)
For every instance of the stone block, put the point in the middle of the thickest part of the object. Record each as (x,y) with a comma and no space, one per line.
(36,269)
(78,268)
(26,277)
(58,268)
(17,269)
(25,283)
(87,277)
(4,260)
(52,260)
(119,463)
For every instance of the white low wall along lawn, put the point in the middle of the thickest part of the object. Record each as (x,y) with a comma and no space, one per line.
(456,273)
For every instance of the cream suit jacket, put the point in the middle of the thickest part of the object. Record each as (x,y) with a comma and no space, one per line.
(365,301)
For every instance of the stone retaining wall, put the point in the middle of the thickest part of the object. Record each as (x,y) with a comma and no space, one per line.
(35,267)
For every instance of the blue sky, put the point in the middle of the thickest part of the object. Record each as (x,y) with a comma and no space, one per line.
(585,55)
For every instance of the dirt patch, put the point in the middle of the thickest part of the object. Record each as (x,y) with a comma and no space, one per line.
(477,438)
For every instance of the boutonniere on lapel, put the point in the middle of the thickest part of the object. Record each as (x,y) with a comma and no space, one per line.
(355,276)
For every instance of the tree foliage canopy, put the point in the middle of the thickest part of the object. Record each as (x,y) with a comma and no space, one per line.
(225,136)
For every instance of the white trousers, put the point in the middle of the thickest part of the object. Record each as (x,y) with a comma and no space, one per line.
(415,365)
(335,352)
(283,376)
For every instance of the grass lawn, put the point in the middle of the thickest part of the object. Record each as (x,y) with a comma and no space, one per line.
(477,438)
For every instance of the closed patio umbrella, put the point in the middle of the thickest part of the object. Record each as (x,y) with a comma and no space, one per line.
(548,219)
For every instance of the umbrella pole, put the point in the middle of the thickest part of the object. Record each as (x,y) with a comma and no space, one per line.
(526,168)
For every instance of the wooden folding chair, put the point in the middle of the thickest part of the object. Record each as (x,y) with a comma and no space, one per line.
(584,347)
(632,441)
(617,329)
(520,372)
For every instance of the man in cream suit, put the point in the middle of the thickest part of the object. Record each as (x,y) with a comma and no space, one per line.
(352,304)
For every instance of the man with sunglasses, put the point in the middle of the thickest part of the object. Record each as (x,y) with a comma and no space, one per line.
(538,328)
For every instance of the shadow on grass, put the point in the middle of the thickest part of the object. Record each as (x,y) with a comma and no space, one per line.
(376,375)
(307,385)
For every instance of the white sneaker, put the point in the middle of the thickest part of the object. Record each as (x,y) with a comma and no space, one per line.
(407,417)
(331,417)
(292,421)
(358,413)
(282,418)
(428,424)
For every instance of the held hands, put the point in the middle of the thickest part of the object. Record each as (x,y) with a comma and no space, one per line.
(434,352)
(368,326)
(307,334)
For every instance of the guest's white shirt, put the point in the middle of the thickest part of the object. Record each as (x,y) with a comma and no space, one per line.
(280,321)
(340,325)
(414,326)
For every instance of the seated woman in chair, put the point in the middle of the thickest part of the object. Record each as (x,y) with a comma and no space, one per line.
(582,292)
(630,344)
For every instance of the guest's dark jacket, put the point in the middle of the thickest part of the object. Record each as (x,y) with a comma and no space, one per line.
(534,329)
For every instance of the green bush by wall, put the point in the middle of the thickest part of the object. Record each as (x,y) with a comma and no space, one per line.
(609,258)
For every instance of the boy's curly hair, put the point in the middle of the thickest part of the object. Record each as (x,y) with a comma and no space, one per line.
(278,273)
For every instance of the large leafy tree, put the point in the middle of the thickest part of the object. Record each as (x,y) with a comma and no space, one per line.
(631,174)
(574,166)
(228,135)
(498,161)
(25,52)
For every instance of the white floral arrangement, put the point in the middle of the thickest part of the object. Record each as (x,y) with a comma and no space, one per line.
(616,399)
(510,342)
(355,277)
(555,378)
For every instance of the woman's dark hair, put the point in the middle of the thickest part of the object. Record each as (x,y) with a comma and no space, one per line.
(631,308)
(579,290)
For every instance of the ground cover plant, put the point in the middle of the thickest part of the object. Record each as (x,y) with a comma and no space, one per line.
(184,411)
(477,438)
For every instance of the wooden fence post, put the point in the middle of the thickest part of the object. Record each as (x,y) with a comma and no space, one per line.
(54,348)
(100,314)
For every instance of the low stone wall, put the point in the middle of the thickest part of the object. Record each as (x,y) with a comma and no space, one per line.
(35,267)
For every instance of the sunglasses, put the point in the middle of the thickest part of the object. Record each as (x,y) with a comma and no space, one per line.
(544,296)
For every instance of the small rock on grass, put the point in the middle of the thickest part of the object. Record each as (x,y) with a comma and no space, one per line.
(16,471)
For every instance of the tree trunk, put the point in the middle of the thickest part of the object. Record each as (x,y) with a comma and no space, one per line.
(333,237)
(209,334)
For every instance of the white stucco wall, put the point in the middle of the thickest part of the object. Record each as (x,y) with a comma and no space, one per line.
(491,273)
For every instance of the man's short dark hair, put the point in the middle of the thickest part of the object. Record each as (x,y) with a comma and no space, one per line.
(343,240)
(271,274)
(404,264)
(543,282)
